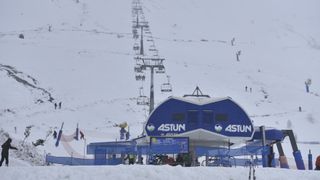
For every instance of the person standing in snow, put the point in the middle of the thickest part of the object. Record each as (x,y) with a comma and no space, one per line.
(132,159)
(5,151)
(55,105)
(270,156)
(81,135)
(317,164)
(55,134)
(60,105)
(179,160)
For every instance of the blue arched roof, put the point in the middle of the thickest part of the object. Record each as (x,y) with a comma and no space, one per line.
(222,116)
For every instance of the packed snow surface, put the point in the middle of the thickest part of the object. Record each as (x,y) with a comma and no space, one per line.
(123,172)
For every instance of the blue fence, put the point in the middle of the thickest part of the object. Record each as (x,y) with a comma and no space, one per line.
(72,161)
(69,160)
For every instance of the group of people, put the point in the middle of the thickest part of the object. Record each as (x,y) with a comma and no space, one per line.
(55,134)
(246,89)
(57,105)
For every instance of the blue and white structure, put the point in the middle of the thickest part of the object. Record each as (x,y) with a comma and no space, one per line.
(198,125)
(212,122)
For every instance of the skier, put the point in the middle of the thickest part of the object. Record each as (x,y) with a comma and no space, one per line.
(238,55)
(232,41)
(54,134)
(179,160)
(60,105)
(55,105)
(317,164)
(123,132)
(246,88)
(127,135)
(270,156)
(300,109)
(5,151)
(81,135)
(132,159)
(187,159)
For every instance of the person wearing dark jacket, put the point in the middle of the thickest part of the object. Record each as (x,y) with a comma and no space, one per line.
(5,151)
(179,160)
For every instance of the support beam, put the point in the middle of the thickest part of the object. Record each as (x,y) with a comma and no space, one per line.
(141,42)
(151,107)
(265,149)
(296,153)
(282,158)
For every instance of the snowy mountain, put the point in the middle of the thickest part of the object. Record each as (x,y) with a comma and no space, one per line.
(80,53)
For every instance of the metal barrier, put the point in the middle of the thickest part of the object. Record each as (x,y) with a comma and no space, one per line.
(69,160)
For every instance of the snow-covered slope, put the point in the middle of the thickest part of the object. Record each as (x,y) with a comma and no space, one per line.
(80,54)
(123,172)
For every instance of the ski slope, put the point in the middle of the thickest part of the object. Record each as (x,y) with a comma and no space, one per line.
(123,172)
(80,54)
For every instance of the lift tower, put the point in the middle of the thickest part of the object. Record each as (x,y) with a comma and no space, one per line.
(152,64)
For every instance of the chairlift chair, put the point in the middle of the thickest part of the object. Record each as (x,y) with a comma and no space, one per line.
(135,36)
(136,47)
(134,31)
(142,100)
(166,87)
(137,59)
(160,70)
(153,49)
(137,68)
(140,76)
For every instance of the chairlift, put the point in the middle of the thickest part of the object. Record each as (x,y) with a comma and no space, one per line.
(160,70)
(136,47)
(137,68)
(142,99)
(134,31)
(166,87)
(153,49)
(140,76)
(137,59)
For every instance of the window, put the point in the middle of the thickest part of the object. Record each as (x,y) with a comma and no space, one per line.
(221,117)
(193,116)
(207,116)
(178,116)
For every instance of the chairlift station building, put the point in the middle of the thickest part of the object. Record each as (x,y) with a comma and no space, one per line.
(206,121)
(201,126)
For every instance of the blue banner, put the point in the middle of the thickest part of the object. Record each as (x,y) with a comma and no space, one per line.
(159,145)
